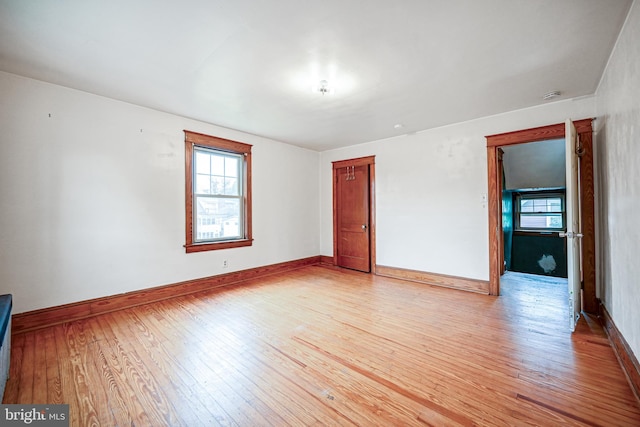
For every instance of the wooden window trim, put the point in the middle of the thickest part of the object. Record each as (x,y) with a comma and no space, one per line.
(197,139)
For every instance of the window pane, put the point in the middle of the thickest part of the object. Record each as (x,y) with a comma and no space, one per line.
(231,187)
(526,205)
(231,226)
(217,218)
(217,165)
(231,167)
(541,221)
(202,163)
(555,205)
(203,184)
(541,205)
(554,221)
(533,221)
(217,185)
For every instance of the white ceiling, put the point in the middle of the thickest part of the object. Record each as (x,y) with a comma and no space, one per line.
(250,64)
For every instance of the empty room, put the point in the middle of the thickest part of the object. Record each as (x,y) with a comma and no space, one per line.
(288,213)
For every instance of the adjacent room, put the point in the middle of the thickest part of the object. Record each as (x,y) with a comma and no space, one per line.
(337,213)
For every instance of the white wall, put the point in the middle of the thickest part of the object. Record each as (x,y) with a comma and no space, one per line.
(92,197)
(618,174)
(429,188)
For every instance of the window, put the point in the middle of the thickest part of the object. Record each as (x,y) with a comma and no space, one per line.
(540,212)
(218,193)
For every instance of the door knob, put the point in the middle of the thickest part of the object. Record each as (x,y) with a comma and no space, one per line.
(364,226)
(570,234)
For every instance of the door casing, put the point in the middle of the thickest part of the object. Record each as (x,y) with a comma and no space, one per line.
(587,205)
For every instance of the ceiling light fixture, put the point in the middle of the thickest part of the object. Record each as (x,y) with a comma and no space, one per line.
(323,87)
(550,95)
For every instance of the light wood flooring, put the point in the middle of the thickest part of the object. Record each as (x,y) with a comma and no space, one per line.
(323,346)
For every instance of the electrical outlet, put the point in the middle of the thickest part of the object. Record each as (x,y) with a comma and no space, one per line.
(225,264)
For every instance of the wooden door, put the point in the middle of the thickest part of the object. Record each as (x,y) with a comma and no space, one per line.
(352,214)
(573,233)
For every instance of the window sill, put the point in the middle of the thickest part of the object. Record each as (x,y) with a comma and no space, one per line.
(202,247)
(541,233)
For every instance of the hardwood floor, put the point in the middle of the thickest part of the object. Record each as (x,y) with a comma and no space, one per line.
(322,346)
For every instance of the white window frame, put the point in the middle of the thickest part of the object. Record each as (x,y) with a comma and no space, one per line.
(532,196)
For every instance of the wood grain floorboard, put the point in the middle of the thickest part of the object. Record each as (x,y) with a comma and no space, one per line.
(321,346)
(25,388)
(172,377)
(377,369)
(223,381)
(82,386)
(139,387)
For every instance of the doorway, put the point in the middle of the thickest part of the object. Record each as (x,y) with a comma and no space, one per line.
(496,255)
(534,215)
(534,208)
(353,214)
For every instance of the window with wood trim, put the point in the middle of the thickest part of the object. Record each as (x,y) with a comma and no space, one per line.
(218,193)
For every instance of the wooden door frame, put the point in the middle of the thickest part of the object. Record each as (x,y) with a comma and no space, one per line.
(360,161)
(587,205)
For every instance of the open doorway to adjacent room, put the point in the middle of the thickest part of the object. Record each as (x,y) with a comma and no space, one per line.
(533,217)
(533,204)
(535,210)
